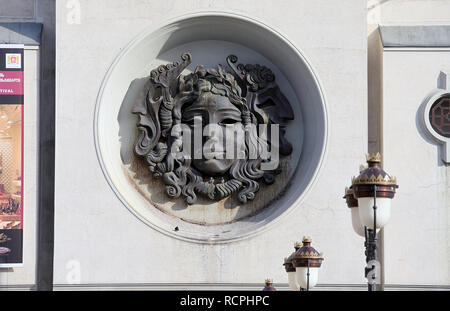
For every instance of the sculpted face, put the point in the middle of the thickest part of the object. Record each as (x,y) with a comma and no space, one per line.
(215,113)
(223,111)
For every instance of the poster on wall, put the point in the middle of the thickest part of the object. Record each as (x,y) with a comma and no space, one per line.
(11,154)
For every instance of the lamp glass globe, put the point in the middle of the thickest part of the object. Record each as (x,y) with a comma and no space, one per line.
(301,274)
(293,281)
(366,212)
(356,222)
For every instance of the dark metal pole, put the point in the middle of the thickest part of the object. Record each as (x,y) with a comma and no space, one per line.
(375,212)
(307,277)
(371,243)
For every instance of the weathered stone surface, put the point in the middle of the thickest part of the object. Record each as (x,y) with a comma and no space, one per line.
(226,103)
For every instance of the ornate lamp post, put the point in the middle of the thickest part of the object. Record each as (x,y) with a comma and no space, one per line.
(305,263)
(352,203)
(373,189)
(290,269)
(269,286)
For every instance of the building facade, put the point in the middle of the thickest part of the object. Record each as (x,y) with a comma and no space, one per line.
(346,78)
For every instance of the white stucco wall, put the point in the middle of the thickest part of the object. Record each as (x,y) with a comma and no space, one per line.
(92,227)
(417,240)
(414,11)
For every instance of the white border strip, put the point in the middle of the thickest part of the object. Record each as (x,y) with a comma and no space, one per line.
(236,287)
(416,49)
(11,265)
(11,46)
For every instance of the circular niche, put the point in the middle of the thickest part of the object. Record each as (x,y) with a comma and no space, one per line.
(440,116)
(209,38)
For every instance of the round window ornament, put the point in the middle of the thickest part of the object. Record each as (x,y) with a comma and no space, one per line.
(129,153)
(436,116)
(440,116)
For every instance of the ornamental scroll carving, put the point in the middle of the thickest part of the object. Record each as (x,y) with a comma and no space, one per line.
(242,110)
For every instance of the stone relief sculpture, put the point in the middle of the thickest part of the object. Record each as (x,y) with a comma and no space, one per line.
(176,105)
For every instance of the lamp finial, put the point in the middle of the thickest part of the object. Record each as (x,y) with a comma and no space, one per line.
(373,157)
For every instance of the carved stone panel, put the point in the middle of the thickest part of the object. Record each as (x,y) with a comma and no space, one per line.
(224,103)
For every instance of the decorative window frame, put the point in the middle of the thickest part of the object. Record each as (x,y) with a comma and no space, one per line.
(442,90)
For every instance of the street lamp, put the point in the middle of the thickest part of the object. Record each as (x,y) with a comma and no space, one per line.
(290,269)
(352,203)
(305,261)
(374,189)
(269,286)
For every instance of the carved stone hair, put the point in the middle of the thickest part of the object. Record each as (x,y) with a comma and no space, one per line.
(166,94)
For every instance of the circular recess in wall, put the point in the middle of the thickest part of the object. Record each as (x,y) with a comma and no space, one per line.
(439,116)
(209,37)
